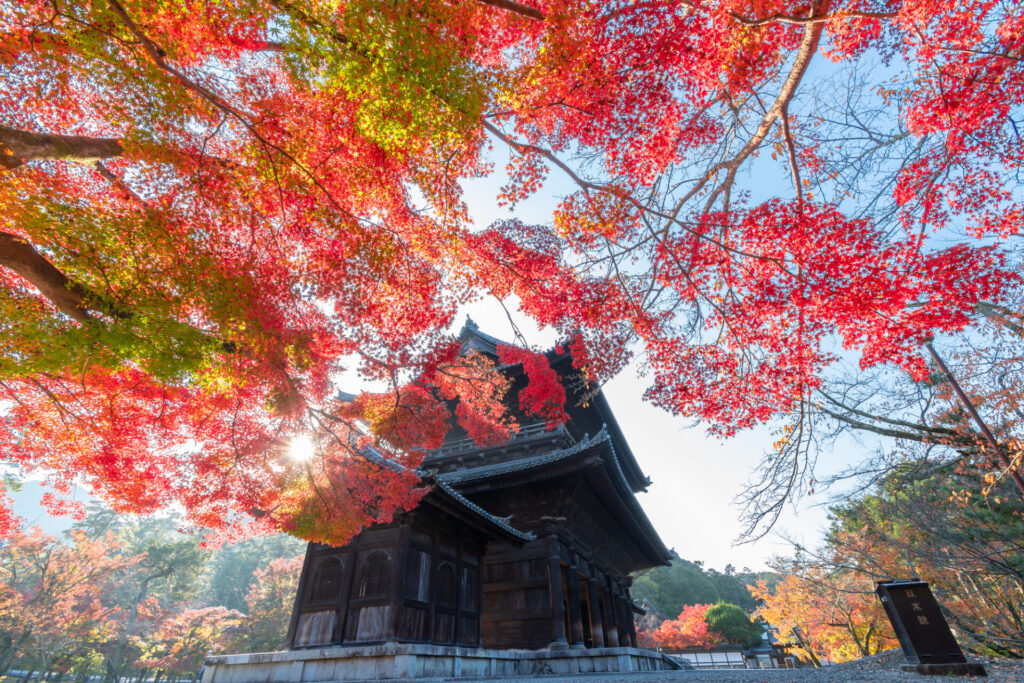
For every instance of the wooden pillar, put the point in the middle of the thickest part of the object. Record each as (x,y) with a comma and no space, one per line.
(596,620)
(397,577)
(632,622)
(572,583)
(611,604)
(555,594)
(623,616)
(350,577)
(432,593)
(627,630)
(456,625)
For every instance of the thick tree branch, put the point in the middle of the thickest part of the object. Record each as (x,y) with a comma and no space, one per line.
(69,297)
(291,9)
(18,147)
(877,429)
(939,432)
(779,18)
(17,254)
(516,8)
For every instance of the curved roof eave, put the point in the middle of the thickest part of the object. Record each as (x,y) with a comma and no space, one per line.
(499,524)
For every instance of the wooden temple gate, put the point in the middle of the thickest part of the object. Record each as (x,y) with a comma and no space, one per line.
(526,545)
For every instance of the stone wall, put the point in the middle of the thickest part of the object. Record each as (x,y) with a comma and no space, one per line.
(413,660)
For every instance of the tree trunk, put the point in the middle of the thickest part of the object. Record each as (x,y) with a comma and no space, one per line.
(18,147)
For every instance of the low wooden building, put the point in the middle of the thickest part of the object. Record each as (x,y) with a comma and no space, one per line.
(526,545)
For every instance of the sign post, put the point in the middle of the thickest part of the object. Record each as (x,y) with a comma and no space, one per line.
(924,635)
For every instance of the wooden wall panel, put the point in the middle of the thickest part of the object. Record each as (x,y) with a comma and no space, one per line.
(413,624)
(516,608)
(371,623)
(315,628)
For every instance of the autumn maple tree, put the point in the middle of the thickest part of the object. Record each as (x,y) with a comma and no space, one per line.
(834,616)
(210,209)
(50,606)
(269,604)
(689,629)
(183,640)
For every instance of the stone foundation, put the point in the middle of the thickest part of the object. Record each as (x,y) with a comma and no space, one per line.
(391,661)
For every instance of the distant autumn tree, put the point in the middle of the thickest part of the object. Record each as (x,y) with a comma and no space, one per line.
(837,614)
(689,629)
(270,602)
(948,527)
(51,607)
(231,570)
(210,209)
(156,587)
(185,637)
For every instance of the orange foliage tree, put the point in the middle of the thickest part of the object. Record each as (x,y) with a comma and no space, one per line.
(50,606)
(270,602)
(689,629)
(838,616)
(184,639)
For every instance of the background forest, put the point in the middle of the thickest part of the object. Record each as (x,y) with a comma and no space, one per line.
(669,589)
(130,598)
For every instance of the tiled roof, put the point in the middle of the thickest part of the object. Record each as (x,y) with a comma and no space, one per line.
(500,522)
(523,464)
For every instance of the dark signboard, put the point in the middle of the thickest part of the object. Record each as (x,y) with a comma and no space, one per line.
(924,635)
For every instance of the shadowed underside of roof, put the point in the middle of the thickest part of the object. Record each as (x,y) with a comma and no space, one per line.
(601,447)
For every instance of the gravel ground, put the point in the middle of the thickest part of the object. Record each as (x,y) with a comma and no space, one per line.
(883,667)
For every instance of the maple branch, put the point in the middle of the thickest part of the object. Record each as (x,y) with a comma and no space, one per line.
(949,433)
(70,298)
(973,412)
(787,134)
(18,147)
(587,186)
(808,46)
(523,147)
(883,431)
(289,8)
(779,18)
(157,56)
(515,8)
(121,186)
